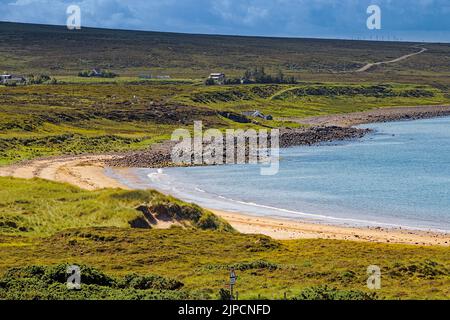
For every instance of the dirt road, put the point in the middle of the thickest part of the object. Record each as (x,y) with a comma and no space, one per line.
(406,56)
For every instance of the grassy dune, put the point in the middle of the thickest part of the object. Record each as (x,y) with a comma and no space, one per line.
(38,208)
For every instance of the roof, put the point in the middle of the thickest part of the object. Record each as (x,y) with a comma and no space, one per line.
(256,114)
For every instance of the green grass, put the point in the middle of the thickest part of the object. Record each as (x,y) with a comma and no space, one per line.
(266,268)
(309,99)
(47,223)
(49,283)
(76,118)
(39,207)
(124,80)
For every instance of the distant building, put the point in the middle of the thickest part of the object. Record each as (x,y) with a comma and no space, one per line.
(218,78)
(10,79)
(257,114)
(4,77)
(96,72)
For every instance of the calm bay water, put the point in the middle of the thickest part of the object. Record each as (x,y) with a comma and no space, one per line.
(398,176)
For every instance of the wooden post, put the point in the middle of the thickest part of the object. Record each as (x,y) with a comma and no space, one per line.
(231,291)
(233,278)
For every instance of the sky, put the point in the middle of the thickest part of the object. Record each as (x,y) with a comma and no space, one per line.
(414,20)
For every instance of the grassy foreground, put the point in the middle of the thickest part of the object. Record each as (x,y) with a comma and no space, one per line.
(38,228)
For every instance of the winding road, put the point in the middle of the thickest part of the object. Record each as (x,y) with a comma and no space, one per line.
(406,56)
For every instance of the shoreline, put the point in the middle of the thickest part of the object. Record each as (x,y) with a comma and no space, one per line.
(89,172)
(320,129)
(286,229)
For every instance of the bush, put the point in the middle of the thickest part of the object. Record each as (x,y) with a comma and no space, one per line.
(138,282)
(427,269)
(89,276)
(49,283)
(327,293)
(38,79)
(224,295)
(58,274)
(209,82)
(259,75)
(243,266)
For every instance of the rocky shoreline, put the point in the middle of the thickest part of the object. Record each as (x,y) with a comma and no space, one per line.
(322,129)
(160,155)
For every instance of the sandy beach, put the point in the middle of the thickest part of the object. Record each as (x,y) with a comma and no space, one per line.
(88,172)
(283,229)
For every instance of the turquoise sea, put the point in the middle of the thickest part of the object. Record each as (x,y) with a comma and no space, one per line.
(397,176)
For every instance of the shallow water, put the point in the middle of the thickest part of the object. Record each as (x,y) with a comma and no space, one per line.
(398,176)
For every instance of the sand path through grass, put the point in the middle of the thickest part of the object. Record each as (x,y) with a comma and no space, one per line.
(83,171)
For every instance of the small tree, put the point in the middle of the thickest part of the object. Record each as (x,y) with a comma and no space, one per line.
(209,82)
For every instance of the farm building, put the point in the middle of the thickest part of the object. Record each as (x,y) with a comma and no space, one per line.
(96,72)
(218,78)
(10,79)
(257,114)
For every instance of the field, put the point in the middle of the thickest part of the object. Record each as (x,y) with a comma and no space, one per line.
(61,52)
(46,225)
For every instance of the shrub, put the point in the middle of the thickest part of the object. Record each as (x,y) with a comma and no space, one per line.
(89,275)
(427,269)
(243,266)
(259,75)
(224,295)
(327,293)
(135,281)
(48,283)
(209,82)
(58,274)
